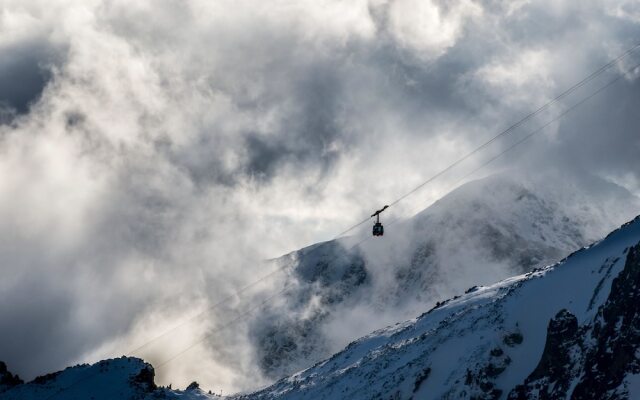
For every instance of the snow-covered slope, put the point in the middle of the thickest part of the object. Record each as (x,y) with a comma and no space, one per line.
(121,378)
(480,233)
(571,330)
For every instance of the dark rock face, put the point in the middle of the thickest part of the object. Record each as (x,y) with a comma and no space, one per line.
(7,379)
(513,339)
(145,379)
(481,380)
(329,264)
(617,331)
(553,375)
(43,379)
(598,355)
(327,272)
(281,345)
(421,378)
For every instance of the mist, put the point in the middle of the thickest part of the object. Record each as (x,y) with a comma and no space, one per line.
(154,155)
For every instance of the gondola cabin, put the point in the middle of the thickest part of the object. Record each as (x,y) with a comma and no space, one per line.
(378,229)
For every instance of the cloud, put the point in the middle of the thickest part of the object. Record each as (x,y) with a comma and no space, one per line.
(429,28)
(152,154)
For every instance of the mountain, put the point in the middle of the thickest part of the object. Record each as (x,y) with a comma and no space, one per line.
(122,378)
(568,331)
(482,232)
(7,379)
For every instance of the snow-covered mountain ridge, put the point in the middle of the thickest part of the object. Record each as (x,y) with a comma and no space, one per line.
(480,233)
(123,378)
(568,331)
(571,330)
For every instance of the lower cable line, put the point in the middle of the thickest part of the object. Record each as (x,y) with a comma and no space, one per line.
(225,326)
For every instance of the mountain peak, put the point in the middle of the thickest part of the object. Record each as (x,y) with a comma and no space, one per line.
(124,377)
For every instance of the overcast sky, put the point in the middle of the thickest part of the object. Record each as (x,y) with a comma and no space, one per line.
(153,152)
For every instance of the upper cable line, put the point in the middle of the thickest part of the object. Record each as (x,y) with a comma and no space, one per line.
(508,130)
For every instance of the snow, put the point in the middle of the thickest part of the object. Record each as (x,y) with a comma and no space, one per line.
(632,384)
(452,338)
(478,234)
(460,334)
(443,345)
(107,379)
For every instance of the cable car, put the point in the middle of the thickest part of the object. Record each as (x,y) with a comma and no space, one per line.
(378,229)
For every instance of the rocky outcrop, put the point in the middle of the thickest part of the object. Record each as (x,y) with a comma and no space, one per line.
(145,379)
(592,361)
(616,333)
(552,377)
(325,275)
(123,378)
(481,381)
(7,379)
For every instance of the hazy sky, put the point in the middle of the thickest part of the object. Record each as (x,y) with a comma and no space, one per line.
(153,152)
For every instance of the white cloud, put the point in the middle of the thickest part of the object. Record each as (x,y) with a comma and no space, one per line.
(177,144)
(429,28)
(520,77)
(626,9)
